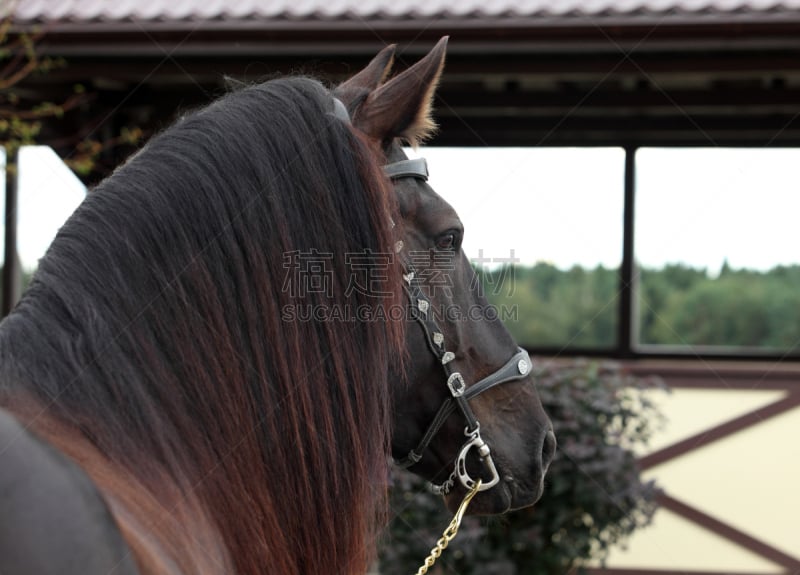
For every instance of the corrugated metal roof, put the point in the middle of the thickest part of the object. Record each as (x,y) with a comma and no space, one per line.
(164,11)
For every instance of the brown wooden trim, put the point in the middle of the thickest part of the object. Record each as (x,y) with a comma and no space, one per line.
(694,373)
(466,62)
(519,26)
(792,564)
(11,264)
(542,102)
(727,383)
(626,324)
(720,431)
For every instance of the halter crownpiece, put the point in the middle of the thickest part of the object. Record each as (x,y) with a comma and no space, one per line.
(514,369)
(340,110)
(416,168)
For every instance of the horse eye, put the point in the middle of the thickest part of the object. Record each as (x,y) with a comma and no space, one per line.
(446,241)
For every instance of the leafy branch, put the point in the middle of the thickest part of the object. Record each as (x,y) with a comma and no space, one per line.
(22,117)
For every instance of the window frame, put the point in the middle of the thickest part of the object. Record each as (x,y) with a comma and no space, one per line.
(625,346)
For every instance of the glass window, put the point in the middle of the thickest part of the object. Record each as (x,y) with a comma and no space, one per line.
(48,194)
(544,228)
(717,247)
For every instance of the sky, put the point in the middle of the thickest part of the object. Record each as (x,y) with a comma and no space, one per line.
(48,193)
(704,206)
(564,206)
(558,205)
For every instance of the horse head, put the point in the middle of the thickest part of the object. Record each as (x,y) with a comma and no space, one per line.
(466,407)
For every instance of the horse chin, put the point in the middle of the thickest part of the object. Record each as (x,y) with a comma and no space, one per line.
(502,498)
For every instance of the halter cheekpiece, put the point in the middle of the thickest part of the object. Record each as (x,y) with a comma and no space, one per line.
(514,369)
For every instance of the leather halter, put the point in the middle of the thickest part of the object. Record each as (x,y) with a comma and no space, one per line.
(416,168)
(514,369)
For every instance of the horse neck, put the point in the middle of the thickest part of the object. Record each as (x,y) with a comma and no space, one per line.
(189,380)
(166,529)
(214,481)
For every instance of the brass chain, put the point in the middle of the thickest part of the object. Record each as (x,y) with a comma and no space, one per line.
(449,533)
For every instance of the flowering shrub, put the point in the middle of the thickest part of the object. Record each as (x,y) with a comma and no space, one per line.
(594,495)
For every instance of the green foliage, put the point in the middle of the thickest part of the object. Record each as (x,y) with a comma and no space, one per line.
(594,496)
(680,305)
(555,308)
(22,119)
(677,305)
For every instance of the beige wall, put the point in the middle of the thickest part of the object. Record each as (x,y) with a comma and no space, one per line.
(749,480)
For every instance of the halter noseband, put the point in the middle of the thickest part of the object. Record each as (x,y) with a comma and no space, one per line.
(514,369)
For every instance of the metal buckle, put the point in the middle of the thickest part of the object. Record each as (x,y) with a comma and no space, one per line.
(486,457)
(456,384)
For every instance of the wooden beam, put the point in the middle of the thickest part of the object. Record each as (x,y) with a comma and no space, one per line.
(720,431)
(11,268)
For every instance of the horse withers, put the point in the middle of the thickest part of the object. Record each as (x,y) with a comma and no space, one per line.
(164,413)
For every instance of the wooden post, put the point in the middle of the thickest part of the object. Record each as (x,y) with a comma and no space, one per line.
(11,265)
(627,306)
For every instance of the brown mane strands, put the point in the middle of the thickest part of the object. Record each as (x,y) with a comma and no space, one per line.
(150,346)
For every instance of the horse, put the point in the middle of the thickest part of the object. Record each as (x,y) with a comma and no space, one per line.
(167,407)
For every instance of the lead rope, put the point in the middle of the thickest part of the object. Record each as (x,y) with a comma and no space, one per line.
(449,533)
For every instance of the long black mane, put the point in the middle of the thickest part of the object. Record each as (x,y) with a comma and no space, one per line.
(153,327)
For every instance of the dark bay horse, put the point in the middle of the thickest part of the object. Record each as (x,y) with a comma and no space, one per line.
(167,408)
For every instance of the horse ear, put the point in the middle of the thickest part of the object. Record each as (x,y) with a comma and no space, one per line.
(401,108)
(370,77)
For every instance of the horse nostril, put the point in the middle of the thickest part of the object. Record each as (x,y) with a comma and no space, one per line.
(548,450)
